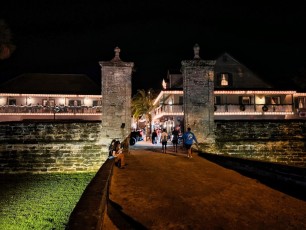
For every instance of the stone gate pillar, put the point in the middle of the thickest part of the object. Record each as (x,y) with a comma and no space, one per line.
(116,98)
(198,86)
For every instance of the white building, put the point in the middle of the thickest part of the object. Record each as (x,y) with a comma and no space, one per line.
(50,96)
(238,94)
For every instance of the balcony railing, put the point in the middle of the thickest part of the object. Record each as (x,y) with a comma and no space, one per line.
(232,109)
(254,108)
(50,109)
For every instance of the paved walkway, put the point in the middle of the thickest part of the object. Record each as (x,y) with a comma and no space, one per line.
(171,191)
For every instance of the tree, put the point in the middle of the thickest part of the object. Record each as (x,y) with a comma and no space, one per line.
(142,105)
(6,45)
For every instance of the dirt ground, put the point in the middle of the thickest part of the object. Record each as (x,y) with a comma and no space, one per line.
(171,191)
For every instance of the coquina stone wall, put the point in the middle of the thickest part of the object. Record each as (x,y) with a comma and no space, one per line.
(41,147)
(274,141)
(69,146)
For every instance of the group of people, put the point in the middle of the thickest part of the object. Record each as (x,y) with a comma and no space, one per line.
(116,147)
(188,139)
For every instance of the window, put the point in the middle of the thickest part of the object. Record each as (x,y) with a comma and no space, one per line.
(96,103)
(74,103)
(12,101)
(50,102)
(245,100)
(301,102)
(273,100)
(224,79)
(217,100)
(181,100)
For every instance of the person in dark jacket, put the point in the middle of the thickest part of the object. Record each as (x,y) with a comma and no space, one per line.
(154,137)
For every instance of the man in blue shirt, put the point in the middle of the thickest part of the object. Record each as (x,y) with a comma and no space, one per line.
(189,138)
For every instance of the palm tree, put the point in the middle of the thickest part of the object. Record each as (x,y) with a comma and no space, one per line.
(142,105)
(6,45)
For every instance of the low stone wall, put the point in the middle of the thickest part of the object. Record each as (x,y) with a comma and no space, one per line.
(51,146)
(71,146)
(274,141)
(92,207)
(285,178)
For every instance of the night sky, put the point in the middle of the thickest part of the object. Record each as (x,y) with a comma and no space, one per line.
(72,37)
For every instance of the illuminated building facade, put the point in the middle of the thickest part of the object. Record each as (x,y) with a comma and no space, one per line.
(50,96)
(238,94)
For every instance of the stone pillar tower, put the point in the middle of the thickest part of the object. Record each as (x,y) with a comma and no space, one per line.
(116,98)
(198,86)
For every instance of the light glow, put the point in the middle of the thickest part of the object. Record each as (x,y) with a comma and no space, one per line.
(253,113)
(48,114)
(253,92)
(47,95)
(237,113)
(166,92)
(168,114)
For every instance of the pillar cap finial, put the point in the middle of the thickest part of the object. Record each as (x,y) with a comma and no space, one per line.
(117,54)
(196,50)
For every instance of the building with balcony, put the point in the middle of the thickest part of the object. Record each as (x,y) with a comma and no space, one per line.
(50,96)
(239,94)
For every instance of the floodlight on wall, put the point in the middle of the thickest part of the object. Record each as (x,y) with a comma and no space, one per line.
(122,125)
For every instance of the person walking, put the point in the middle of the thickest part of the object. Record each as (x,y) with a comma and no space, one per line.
(154,136)
(164,140)
(175,134)
(188,139)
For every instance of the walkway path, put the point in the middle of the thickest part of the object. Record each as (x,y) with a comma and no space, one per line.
(171,191)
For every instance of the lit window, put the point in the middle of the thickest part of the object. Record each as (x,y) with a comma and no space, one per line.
(224,79)
(301,102)
(246,100)
(273,100)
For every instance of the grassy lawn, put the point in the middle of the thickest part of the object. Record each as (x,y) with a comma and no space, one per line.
(39,201)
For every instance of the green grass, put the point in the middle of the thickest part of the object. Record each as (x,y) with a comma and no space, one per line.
(39,201)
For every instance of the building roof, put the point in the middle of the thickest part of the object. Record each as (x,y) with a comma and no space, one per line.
(42,83)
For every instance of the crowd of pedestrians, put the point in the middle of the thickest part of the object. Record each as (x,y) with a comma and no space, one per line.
(187,139)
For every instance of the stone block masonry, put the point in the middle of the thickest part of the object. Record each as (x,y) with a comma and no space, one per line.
(198,87)
(281,142)
(116,77)
(42,147)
